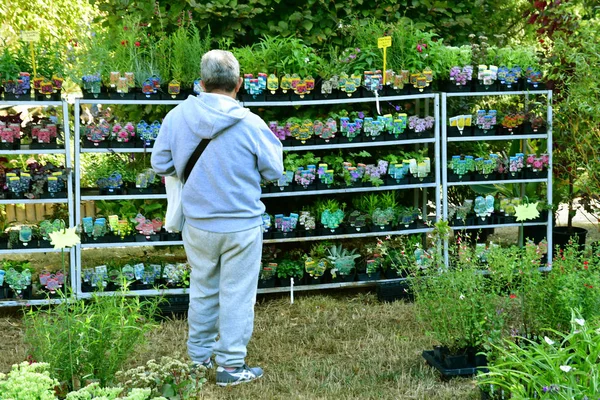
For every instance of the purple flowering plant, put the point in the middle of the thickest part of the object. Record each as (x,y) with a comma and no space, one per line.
(374,173)
(420,124)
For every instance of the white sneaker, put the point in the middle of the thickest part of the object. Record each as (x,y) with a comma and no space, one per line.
(237,376)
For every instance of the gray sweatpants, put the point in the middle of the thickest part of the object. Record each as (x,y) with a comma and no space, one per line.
(224,279)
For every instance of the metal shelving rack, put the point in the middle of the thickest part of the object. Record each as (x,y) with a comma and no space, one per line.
(416,187)
(79,197)
(523,138)
(66,151)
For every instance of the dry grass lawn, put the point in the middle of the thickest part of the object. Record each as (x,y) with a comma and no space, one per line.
(343,345)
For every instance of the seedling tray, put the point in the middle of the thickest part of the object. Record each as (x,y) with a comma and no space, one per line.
(447,372)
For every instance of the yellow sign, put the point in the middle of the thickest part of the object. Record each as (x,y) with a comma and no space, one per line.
(30,36)
(384,42)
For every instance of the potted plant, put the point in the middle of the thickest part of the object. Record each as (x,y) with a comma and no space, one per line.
(9,68)
(357,222)
(371,270)
(420,127)
(343,262)
(455,68)
(290,268)
(18,278)
(374,174)
(394,253)
(268,272)
(316,263)
(285,227)
(407,218)
(458,311)
(332,215)
(512,123)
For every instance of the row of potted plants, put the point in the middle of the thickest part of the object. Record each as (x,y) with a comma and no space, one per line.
(466,167)
(27,236)
(376,212)
(296,131)
(119,135)
(323,177)
(40,133)
(21,87)
(335,221)
(277,66)
(32,181)
(324,262)
(491,210)
(118,230)
(136,276)
(489,123)
(16,281)
(133,56)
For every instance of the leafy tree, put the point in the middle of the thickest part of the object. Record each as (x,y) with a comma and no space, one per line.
(57,20)
(319,22)
(569,34)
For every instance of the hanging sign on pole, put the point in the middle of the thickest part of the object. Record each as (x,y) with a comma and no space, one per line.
(384,43)
(31,37)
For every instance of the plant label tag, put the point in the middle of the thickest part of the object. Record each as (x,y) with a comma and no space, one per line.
(30,36)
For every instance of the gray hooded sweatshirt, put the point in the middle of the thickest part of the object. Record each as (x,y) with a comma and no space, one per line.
(222,193)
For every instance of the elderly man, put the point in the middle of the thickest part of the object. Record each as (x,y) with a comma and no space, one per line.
(222,234)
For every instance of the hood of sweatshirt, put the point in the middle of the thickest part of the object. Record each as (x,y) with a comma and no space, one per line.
(209,114)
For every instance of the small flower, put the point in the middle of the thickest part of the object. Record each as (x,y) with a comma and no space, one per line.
(125,28)
(548,340)
(137,44)
(580,321)
(513,296)
(123,42)
(61,239)
(462,297)
(566,368)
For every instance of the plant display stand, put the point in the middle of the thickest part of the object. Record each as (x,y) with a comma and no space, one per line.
(518,179)
(82,195)
(419,188)
(63,198)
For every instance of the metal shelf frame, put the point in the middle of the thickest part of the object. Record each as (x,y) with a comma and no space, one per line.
(66,151)
(497,137)
(34,250)
(522,138)
(279,289)
(431,106)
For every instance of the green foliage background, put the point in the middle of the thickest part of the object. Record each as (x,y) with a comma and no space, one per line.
(318,21)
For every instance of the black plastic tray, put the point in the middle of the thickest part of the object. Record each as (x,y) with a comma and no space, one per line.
(449,373)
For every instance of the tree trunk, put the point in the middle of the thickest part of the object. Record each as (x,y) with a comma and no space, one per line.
(570,215)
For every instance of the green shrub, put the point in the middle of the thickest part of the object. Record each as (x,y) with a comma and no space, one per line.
(89,339)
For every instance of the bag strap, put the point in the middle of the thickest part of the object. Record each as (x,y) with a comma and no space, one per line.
(194,158)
